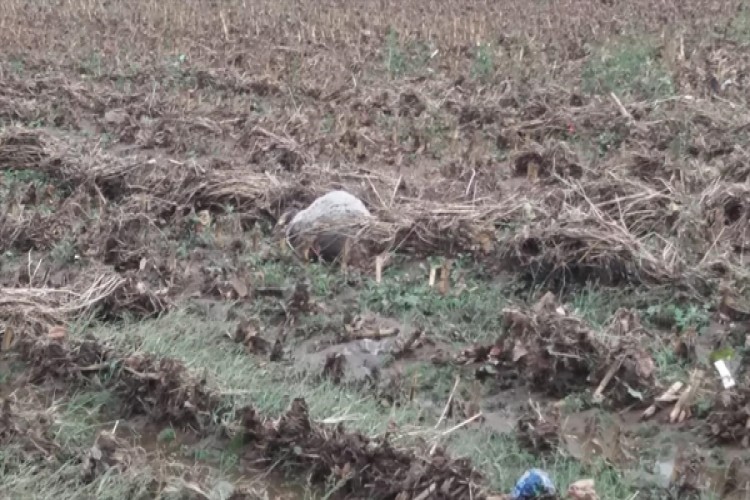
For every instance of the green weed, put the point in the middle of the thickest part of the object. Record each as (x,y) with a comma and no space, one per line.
(40,481)
(64,251)
(739,28)
(681,316)
(609,140)
(430,380)
(325,280)
(594,305)
(167,435)
(504,462)
(627,68)
(669,368)
(92,65)
(483,65)
(402,58)
(24,176)
(18,66)
(81,417)
(395,60)
(470,312)
(578,402)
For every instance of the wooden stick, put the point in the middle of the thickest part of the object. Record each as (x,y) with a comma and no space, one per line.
(624,112)
(598,396)
(453,429)
(448,404)
(462,424)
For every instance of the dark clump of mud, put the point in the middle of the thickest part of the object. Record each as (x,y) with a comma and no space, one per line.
(163,390)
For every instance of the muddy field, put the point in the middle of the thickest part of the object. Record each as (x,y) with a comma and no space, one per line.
(557,263)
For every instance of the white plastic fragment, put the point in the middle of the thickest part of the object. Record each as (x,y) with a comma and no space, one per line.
(726,375)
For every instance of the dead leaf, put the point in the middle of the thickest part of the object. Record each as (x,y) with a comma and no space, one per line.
(433,276)
(116,116)
(495,352)
(379,262)
(239,286)
(445,274)
(484,240)
(583,489)
(203,220)
(7,339)
(645,366)
(334,367)
(532,173)
(57,333)
(547,304)
(519,351)
(681,410)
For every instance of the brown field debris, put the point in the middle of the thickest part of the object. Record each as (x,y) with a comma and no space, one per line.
(147,148)
(573,232)
(558,354)
(163,390)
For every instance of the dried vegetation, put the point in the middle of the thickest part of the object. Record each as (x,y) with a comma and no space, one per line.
(147,149)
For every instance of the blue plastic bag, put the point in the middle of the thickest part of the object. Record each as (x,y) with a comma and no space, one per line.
(533,484)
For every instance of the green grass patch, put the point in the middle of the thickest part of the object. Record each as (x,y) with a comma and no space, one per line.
(201,343)
(500,457)
(483,63)
(627,67)
(81,417)
(739,27)
(471,310)
(42,481)
(401,57)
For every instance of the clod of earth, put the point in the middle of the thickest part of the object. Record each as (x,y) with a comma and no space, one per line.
(370,467)
(583,489)
(159,388)
(692,473)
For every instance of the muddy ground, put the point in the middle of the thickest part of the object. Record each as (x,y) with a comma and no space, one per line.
(558,258)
